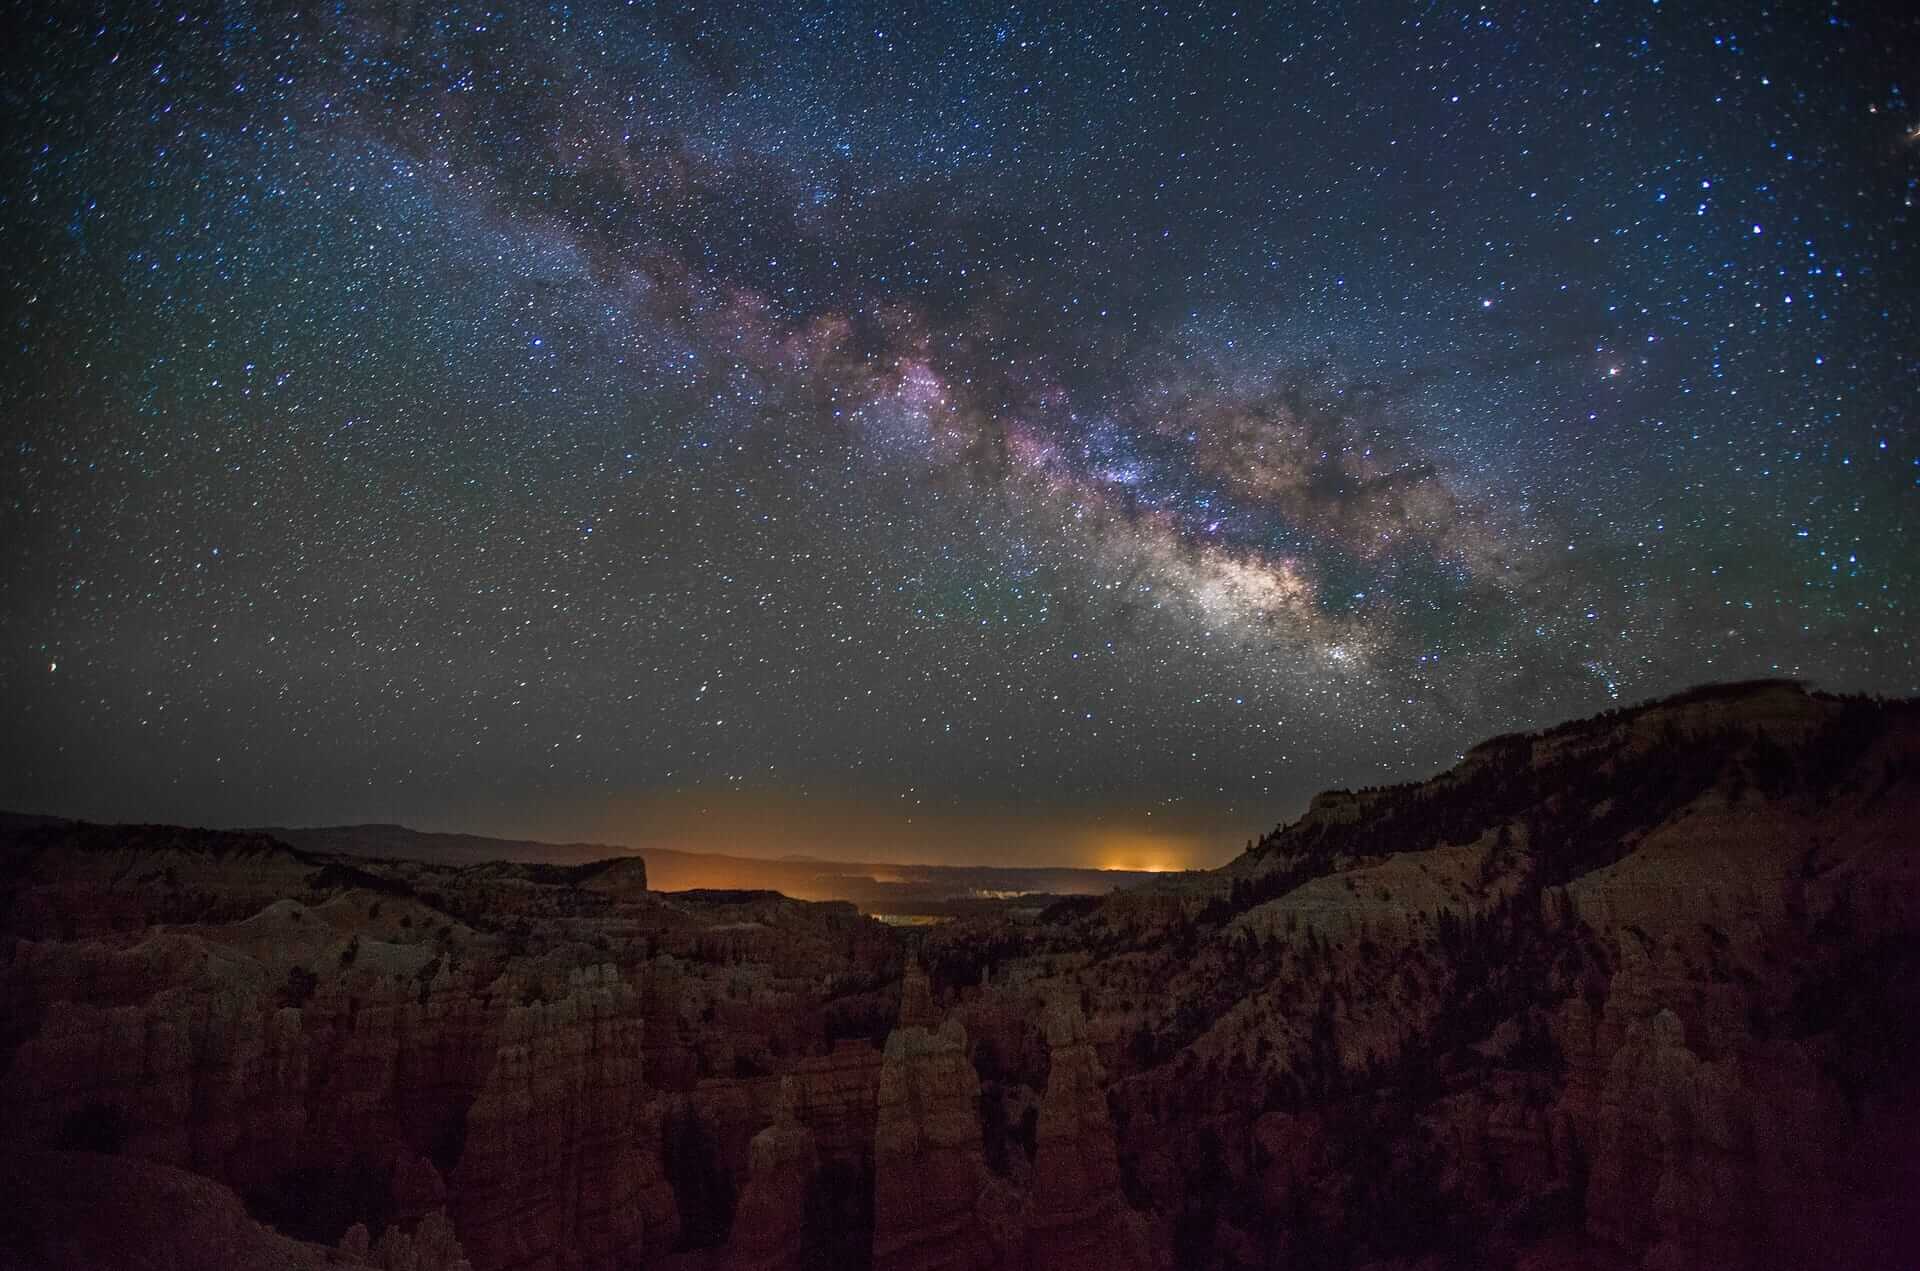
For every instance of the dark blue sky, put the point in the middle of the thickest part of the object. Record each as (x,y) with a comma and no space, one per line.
(980,433)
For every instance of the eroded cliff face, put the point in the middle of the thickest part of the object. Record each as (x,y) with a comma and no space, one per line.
(1638,991)
(929,1171)
(1634,991)
(354,1093)
(769,1228)
(1075,1216)
(837,1096)
(401,1051)
(552,1160)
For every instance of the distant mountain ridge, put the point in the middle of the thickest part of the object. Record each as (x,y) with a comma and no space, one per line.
(872,886)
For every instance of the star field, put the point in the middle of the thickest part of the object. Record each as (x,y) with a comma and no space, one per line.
(986,433)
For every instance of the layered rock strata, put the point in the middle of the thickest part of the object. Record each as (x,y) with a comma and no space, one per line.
(928,1163)
(1075,1216)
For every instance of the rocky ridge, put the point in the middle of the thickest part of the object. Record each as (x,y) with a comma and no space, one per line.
(1635,991)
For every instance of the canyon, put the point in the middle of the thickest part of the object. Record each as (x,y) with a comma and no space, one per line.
(1636,991)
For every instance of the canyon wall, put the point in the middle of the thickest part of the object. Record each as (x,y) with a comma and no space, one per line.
(1639,991)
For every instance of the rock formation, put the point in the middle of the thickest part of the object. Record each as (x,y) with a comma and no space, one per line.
(429,1246)
(550,1161)
(1075,1216)
(928,1167)
(916,998)
(1641,990)
(1639,985)
(837,1096)
(80,1211)
(768,1226)
(353,1050)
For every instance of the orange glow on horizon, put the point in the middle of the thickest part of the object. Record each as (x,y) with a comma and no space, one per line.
(798,830)
(1145,853)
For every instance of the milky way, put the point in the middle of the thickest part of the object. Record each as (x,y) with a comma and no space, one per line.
(1006,432)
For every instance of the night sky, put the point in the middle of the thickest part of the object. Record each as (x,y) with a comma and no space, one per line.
(978,435)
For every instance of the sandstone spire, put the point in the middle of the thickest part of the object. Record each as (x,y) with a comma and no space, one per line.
(1075,1215)
(916,997)
(768,1226)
